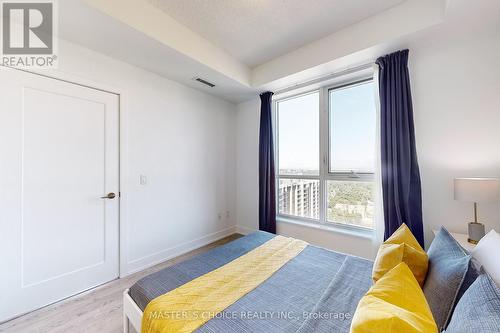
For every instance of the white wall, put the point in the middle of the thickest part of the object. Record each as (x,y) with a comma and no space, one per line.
(247,165)
(182,140)
(456,92)
(456,95)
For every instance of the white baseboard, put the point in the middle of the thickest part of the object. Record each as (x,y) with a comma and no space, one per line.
(244,230)
(166,254)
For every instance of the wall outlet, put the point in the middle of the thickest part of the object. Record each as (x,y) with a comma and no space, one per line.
(143,180)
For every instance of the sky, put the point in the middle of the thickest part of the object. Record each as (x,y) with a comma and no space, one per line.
(352,124)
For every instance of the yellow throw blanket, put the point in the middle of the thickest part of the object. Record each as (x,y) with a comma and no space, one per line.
(191,305)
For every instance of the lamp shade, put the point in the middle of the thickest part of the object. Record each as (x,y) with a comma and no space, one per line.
(477,189)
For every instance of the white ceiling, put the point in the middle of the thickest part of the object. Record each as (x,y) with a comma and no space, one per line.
(139,33)
(120,41)
(257,31)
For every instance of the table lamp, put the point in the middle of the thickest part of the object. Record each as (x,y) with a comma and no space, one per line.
(477,190)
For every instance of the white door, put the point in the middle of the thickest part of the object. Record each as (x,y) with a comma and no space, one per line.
(59,146)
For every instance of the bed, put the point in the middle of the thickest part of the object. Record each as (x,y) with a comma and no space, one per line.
(318,290)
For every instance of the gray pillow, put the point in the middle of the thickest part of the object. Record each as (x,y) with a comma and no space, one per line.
(479,308)
(448,267)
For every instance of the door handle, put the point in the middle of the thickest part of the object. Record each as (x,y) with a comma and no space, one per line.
(110,195)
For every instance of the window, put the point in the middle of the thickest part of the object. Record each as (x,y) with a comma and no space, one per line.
(299,135)
(298,156)
(326,160)
(352,128)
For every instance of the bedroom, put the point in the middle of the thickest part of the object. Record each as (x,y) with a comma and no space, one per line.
(166,173)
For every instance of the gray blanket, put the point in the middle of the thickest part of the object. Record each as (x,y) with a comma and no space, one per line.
(317,291)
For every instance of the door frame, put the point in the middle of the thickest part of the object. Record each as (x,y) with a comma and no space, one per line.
(123,106)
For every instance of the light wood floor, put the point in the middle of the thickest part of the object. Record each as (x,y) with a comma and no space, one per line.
(98,310)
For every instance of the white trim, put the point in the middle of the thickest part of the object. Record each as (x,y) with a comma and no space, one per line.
(132,314)
(314,177)
(244,230)
(330,227)
(323,154)
(150,260)
(379,225)
(326,78)
(332,81)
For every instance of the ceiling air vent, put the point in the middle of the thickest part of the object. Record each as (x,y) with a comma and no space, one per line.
(205,82)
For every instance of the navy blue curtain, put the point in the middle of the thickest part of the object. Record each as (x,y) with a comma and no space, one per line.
(400,173)
(267,194)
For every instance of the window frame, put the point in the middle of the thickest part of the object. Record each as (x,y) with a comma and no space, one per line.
(325,174)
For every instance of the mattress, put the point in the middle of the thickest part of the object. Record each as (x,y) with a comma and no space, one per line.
(318,290)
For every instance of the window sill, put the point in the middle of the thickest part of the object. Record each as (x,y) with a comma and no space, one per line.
(349,231)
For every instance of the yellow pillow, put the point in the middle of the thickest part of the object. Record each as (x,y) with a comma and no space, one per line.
(395,304)
(401,247)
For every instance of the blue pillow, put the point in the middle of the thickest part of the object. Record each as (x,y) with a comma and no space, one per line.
(479,308)
(448,276)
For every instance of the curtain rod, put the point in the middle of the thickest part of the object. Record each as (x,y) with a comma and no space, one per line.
(324,78)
